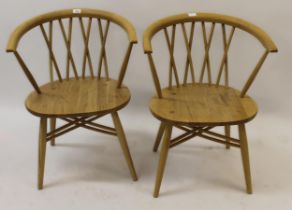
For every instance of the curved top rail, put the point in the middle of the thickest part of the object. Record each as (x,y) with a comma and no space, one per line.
(26,26)
(261,35)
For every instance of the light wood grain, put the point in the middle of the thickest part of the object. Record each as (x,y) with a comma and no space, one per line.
(207,45)
(162,159)
(27,72)
(42,151)
(204,19)
(188,44)
(124,144)
(81,100)
(203,105)
(78,97)
(227,134)
(28,25)
(159,136)
(198,104)
(245,157)
(103,57)
(257,32)
(53,128)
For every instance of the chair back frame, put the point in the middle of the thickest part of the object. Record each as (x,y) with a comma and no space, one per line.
(203,18)
(59,16)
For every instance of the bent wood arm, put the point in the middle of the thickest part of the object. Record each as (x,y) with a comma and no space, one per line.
(26,26)
(257,32)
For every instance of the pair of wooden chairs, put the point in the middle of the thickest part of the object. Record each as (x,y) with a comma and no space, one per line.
(192,105)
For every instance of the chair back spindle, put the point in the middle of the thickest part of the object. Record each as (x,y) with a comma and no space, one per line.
(66,23)
(204,25)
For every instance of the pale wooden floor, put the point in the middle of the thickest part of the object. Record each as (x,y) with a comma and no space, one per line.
(198,174)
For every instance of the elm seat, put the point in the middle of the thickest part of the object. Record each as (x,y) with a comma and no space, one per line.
(202,104)
(89,96)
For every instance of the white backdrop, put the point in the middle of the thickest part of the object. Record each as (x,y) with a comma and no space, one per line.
(272,91)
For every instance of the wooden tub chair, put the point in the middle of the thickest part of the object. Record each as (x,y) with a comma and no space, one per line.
(198,101)
(79,95)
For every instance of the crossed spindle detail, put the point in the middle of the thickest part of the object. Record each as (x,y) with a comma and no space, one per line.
(103,57)
(189,66)
(51,53)
(172,65)
(86,54)
(188,44)
(67,41)
(51,45)
(87,58)
(207,45)
(69,44)
(224,62)
(206,64)
(48,32)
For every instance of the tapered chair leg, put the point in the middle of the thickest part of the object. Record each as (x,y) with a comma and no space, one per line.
(159,137)
(227,133)
(162,160)
(42,151)
(124,144)
(53,127)
(245,157)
